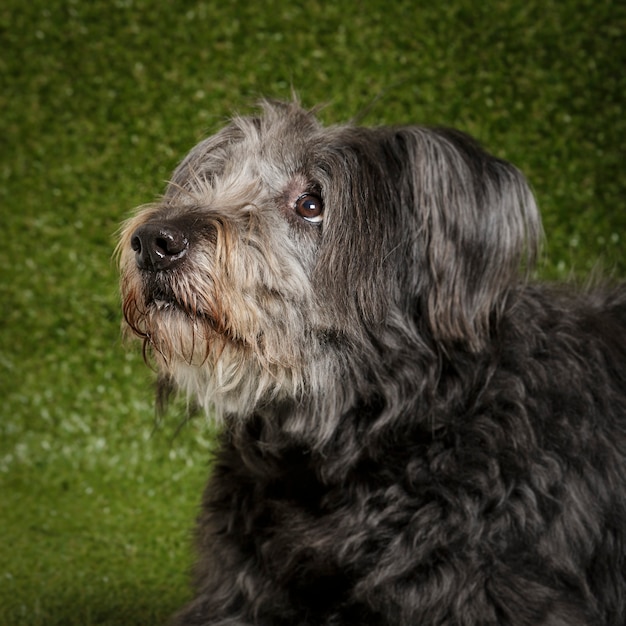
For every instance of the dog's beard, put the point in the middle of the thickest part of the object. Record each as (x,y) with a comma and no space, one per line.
(212,340)
(230,368)
(172,329)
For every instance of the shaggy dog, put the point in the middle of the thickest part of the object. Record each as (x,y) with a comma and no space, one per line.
(413,433)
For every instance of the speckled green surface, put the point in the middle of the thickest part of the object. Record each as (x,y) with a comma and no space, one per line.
(98,101)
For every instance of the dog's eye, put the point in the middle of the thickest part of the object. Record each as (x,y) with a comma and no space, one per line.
(310,207)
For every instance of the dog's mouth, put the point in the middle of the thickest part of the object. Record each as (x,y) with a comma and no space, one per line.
(161,300)
(162,305)
(152,297)
(158,295)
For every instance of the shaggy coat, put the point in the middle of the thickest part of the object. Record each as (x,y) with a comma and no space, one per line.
(412,433)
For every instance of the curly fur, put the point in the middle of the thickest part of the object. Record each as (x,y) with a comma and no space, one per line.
(412,432)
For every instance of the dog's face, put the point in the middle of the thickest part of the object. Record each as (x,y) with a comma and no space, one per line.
(286,259)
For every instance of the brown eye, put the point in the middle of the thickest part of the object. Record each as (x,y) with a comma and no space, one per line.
(310,207)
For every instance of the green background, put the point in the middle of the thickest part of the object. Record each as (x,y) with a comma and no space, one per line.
(99,100)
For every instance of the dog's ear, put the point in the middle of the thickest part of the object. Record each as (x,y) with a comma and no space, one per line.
(478,226)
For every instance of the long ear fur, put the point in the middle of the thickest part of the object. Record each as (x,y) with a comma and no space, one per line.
(479,226)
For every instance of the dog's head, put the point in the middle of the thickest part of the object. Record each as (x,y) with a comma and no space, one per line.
(286,258)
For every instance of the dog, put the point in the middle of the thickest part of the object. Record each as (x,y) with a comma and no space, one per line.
(413,430)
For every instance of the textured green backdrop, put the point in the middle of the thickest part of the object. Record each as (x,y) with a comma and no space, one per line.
(98,101)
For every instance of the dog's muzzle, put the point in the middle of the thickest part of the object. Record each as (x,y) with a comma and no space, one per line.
(159,246)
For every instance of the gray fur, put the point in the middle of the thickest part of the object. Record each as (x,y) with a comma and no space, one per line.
(412,433)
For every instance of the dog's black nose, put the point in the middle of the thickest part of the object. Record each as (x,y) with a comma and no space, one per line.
(158,246)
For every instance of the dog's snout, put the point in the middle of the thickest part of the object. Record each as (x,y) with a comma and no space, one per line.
(159,246)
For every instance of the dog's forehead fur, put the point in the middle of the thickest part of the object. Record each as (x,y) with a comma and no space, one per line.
(269,149)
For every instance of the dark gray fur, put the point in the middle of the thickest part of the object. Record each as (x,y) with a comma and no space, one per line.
(456,452)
